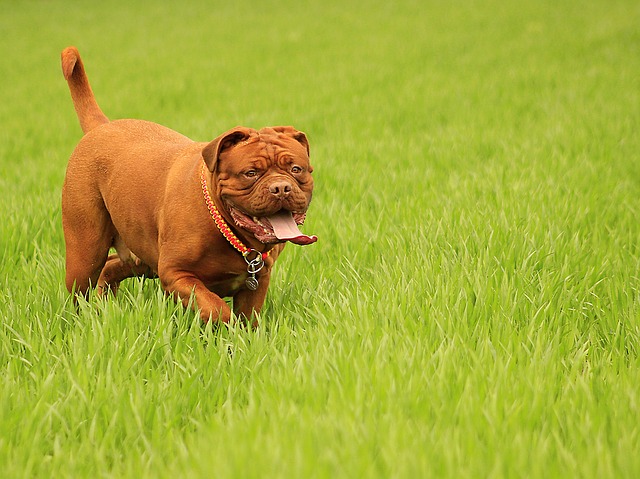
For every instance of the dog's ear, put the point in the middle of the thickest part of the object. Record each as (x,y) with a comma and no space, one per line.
(211,153)
(299,136)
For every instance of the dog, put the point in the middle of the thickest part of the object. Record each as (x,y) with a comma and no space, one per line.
(209,219)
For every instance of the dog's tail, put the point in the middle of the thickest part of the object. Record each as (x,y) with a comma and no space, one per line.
(89,113)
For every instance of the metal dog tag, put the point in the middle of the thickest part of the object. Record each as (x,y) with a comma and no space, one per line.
(252,283)
(253,266)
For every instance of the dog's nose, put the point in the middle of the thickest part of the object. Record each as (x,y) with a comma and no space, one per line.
(280,189)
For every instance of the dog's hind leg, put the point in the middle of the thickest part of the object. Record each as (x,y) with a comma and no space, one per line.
(85,258)
(115,270)
(88,235)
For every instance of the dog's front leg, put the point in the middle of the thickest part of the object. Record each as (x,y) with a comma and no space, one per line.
(247,304)
(209,305)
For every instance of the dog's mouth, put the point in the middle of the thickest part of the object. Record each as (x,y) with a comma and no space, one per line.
(276,228)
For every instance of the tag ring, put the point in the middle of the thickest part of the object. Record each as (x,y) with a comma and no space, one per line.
(256,264)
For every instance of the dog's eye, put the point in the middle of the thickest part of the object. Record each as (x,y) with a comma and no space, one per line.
(251,173)
(295,169)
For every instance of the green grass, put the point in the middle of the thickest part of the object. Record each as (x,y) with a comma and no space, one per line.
(471,309)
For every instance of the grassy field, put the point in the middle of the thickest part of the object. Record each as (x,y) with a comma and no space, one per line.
(472,306)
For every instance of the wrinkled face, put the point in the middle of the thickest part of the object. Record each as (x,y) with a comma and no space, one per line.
(264,180)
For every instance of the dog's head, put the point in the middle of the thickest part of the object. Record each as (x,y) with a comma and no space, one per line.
(264,180)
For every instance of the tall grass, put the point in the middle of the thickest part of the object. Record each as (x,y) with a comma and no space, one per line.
(472,308)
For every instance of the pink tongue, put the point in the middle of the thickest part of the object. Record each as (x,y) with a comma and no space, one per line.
(286,229)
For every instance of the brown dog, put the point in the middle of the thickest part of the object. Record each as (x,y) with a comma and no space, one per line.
(209,219)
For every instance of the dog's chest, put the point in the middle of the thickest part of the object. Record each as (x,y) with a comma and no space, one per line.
(229,286)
